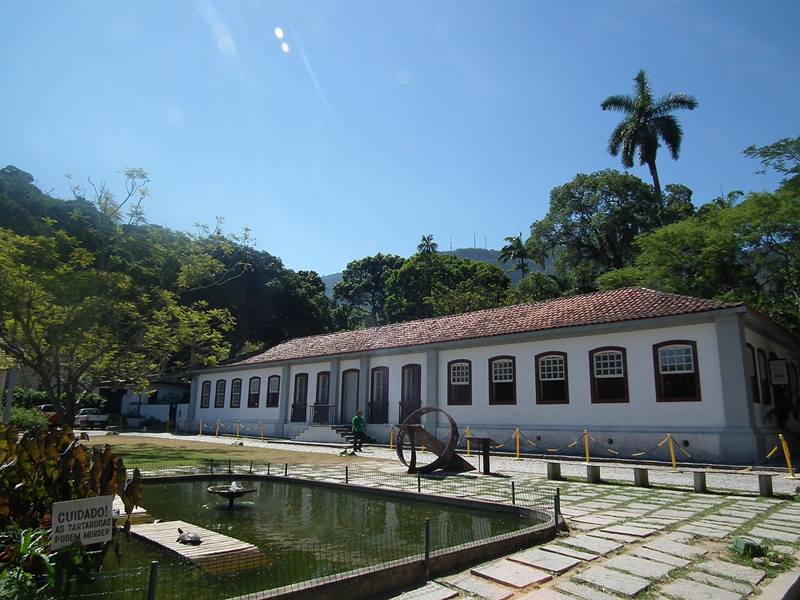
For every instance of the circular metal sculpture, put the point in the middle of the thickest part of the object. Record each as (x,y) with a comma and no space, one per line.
(231,492)
(446,457)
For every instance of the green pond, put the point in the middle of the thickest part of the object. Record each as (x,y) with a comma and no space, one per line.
(306,531)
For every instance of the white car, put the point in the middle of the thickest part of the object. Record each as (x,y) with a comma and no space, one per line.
(89,418)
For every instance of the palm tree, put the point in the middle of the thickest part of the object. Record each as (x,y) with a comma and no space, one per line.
(427,245)
(515,250)
(646,121)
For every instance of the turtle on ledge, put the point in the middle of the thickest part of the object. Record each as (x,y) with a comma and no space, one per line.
(190,538)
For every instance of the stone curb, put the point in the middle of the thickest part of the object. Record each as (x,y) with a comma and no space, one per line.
(785,586)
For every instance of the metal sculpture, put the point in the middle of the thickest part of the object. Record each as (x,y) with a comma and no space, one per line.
(447,459)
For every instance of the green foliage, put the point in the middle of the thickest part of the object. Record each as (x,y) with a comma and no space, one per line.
(749,252)
(536,287)
(429,285)
(646,125)
(28,571)
(363,285)
(27,418)
(782,156)
(49,465)
(28,398)
(515,250)
(427,245)
(593,221)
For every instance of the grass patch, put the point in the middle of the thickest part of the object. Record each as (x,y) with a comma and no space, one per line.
(150,452)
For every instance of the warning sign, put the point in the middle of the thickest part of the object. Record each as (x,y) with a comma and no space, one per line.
(88,521)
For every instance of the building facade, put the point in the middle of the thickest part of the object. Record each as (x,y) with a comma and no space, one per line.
(627,365)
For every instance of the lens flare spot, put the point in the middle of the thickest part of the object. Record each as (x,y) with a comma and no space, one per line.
(285,48)
(279,33)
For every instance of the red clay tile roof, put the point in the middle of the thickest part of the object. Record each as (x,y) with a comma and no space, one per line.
(628,304)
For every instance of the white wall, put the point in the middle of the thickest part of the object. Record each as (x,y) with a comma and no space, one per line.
(396,362)
(228,415)
(312,370)
(641,412)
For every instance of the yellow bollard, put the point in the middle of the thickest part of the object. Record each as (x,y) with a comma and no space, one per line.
(237,429)
(671,443)
(586,444)
(787,456)
(200,431)
(516,443)
(216,433)
(468,435)
(261,429)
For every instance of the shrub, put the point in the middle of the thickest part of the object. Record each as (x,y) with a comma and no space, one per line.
(28,398)
(27,418)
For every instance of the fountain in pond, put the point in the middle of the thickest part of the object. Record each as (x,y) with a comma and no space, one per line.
(232,491)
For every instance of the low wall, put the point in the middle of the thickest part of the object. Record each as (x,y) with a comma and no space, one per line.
(386,577)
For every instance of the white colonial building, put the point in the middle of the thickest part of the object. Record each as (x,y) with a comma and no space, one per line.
(628,365)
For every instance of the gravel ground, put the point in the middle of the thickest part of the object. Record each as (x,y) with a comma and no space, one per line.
(727,481)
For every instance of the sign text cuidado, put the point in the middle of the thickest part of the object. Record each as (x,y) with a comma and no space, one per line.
(88,521)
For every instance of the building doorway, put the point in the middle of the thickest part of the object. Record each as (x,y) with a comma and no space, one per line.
(349,395)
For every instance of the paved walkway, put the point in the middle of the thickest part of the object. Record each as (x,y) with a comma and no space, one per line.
(729,481)
(623,541)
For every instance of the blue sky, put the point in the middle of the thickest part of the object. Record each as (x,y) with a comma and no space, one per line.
(384,120)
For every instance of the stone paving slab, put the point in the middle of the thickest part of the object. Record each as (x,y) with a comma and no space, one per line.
(430,591)
(595,519)
(720,582)
(584,526)
(566,551)
(546,594)
(782,524)
(675,548)
(686,589)
(725,519)
(704,531)
(478,586)
(622,583)
(548,561)
(737,513)
(669,559)
(772,534)
(639,566)
(584,591)
(511,573)
(731,570)
(596,545)
(630,530)
(617,537)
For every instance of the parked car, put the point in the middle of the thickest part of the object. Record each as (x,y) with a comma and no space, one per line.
(49,411)
(89,418)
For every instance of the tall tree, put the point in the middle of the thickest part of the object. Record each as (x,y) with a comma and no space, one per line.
(593,220)
(363,285)
(436,284)
(646,121)
(427,245)
(515,250)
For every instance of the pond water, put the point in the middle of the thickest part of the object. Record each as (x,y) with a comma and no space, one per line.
(306,531)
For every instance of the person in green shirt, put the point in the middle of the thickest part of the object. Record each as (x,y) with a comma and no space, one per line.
(358,431)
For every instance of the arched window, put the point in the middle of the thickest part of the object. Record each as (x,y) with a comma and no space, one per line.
(236,393)
(551,378)
(411,390)
(300,398)
(752,372)
(502,380)
(459,382)
(676,371)
(253,392)
(205,394)
(219,395)
(763,377)
(379,396)
(608,371)
(273,390)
